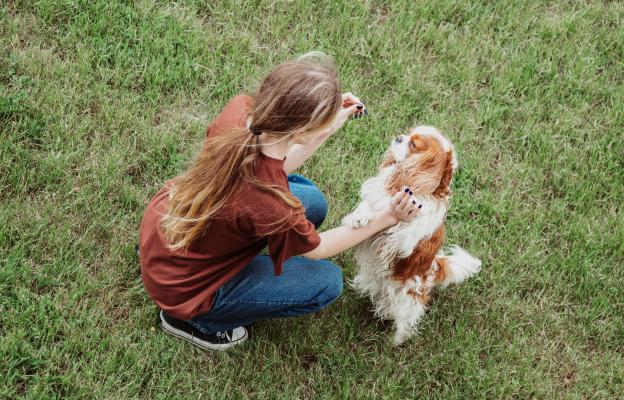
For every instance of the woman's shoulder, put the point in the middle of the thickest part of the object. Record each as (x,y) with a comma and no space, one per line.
(242,98)
(240,102)
(233,115)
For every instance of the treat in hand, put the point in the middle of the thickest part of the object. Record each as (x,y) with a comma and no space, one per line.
(349,100)
(361,111)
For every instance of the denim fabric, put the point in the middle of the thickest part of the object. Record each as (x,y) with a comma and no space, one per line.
(310,196)
(254,294)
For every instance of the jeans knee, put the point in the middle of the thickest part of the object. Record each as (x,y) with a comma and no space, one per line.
(311,197)
(318,210)
(331,285)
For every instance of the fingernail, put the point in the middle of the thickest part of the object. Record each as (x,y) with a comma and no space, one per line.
(359,107)
(406,190)
(420,206)
(366,111)
(411,193)
(413,201)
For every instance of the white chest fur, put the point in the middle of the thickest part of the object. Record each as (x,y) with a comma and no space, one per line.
(402,238)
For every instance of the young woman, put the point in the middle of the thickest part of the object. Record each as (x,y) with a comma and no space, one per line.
(202,233)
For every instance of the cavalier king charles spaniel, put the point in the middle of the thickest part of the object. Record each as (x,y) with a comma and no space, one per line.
(399,267)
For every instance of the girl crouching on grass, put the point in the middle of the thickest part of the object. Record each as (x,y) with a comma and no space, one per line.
(202,233)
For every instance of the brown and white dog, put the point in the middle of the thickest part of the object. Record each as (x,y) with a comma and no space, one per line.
(400,266)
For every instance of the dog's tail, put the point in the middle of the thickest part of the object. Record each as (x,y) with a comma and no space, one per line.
(456,267)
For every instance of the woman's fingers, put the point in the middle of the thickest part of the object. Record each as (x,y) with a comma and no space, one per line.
(343,115)
(352,109)
(354,104)
(349,99)
(396,199)
(399,201)
(405,201)
(405,205)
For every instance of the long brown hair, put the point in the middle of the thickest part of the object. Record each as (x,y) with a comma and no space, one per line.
(297,96)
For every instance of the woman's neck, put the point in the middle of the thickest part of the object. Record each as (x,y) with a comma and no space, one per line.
(274,148)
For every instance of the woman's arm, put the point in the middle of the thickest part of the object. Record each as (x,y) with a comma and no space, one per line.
(298,153)
(337,240)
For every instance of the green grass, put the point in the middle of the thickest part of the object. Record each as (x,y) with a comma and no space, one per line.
(102,101)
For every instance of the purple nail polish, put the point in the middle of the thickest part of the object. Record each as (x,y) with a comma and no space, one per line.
(420,206)
(406,190)
(413,201)
(411,193)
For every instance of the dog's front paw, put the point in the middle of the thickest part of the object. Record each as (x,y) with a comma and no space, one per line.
(355,220)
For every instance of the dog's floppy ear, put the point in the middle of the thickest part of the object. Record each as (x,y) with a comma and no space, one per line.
(454,161)
(419,173)
(444,188)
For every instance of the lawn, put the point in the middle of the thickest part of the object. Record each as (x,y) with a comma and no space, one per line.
(102,101)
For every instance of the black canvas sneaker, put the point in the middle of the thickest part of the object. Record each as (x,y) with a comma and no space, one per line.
(213,341)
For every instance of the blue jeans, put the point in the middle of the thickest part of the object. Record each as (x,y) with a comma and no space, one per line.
(255,293)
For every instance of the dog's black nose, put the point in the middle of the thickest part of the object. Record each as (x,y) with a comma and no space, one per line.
(399,139)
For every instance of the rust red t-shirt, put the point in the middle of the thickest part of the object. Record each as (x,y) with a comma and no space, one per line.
(183,282)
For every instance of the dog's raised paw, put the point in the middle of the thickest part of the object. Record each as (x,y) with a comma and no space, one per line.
(355,220)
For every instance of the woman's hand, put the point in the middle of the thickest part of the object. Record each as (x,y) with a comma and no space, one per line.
(403,207)
(350,105)
(315,138)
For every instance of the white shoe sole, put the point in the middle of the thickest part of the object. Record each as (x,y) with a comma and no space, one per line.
(197,341)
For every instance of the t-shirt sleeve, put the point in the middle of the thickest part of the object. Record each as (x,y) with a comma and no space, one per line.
(300,237)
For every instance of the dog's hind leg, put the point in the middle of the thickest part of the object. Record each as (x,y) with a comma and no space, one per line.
(406,313)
